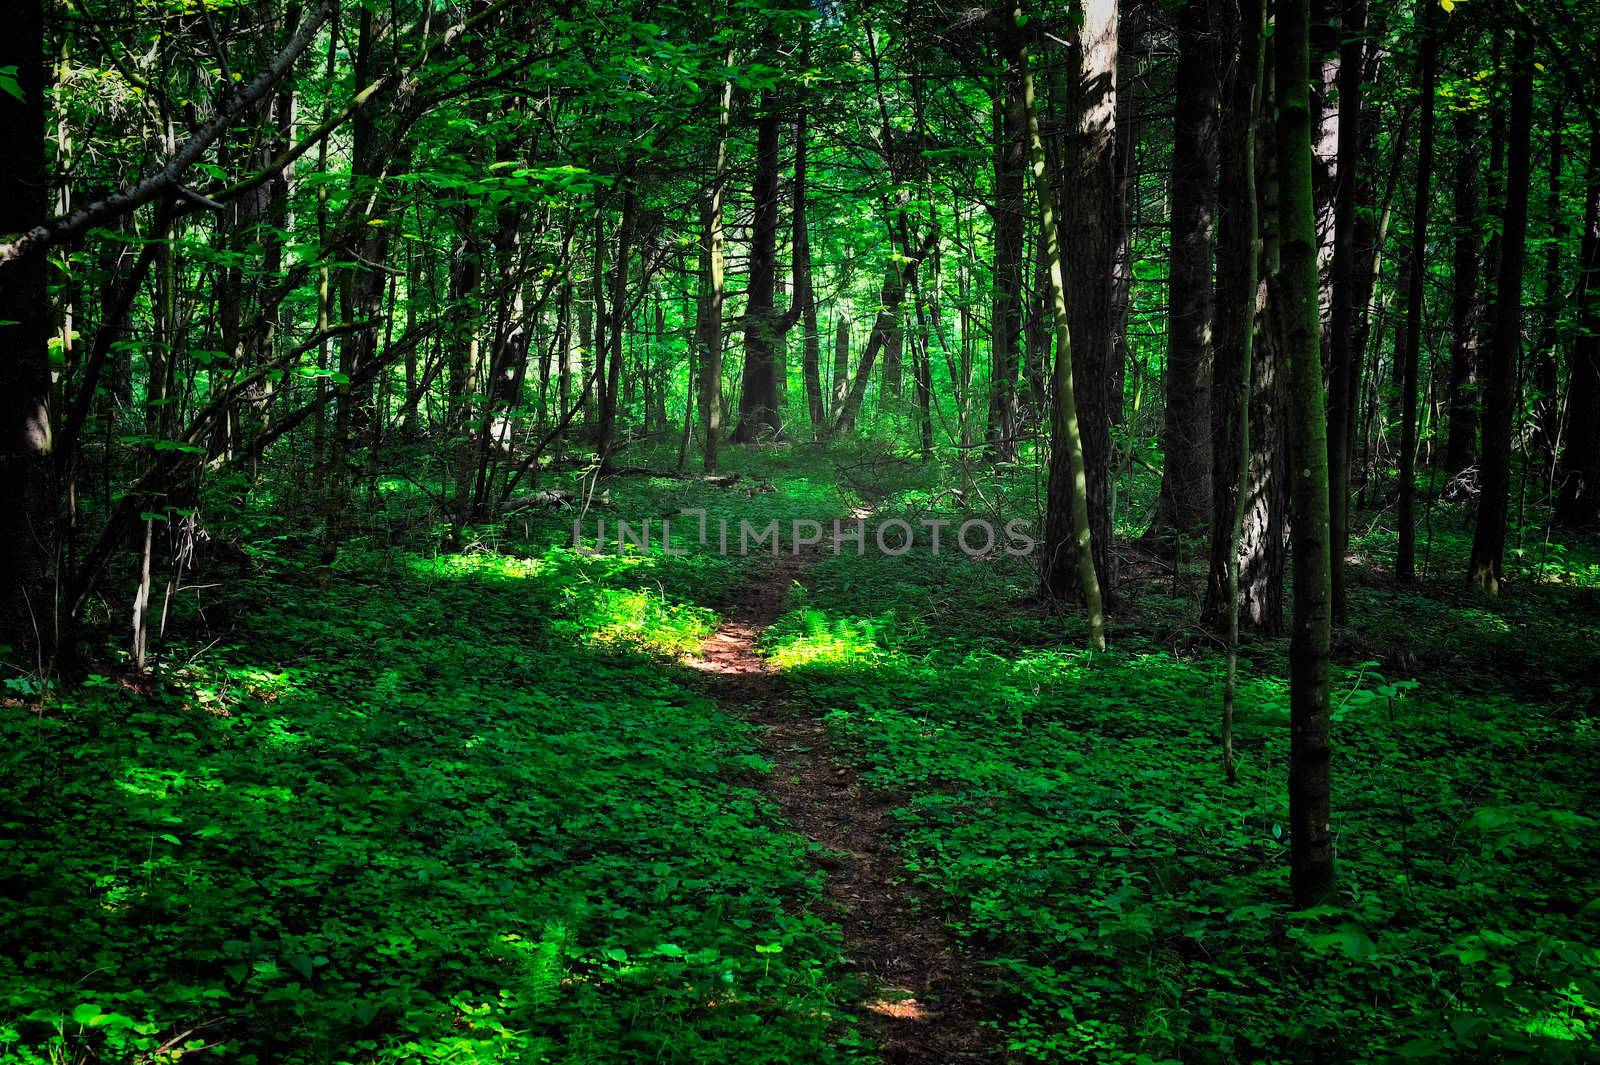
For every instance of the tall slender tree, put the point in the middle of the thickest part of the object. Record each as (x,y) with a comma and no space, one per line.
(1405,559)
(1311,870)
(1005,324)
(1183,504)
(1486,568)
(805,296)
(1578,478)
(1248,385)
(708,311)
(1239,248)
(1343,358)
(1461,445)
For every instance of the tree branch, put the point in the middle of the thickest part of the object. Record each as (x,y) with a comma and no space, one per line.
(166,180)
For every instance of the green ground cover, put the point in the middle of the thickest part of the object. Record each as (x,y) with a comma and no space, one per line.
(470,806)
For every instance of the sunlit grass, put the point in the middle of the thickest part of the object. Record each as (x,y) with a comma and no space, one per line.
(820,641)
(645,621)
(480,564)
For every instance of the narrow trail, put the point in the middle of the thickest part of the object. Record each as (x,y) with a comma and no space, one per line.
(919,1003)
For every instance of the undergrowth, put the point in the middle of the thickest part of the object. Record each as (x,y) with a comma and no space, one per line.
(1125,903)
(470,806)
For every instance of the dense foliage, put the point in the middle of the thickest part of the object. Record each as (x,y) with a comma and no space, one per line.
(329,330)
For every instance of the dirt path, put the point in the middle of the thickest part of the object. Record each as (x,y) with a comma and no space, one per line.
(920,1004)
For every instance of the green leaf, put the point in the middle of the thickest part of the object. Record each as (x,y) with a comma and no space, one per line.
(1349,938)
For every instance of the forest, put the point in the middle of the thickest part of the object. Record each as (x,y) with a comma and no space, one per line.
(902,531)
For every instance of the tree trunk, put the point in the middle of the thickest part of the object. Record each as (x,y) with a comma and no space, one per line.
(841,363)
(1068,486)
(1243,380)
(1343,359)
(922,371)
(1125,175)
(1239,241)
(616,329)
(897,275)
(1500,385)
(27,611)
(1578,487)
(367,277)
(464,358)
(1326,33)
(1264,539)
(1010,159)
(1494,210)
(708,315)
(1036,333)
(1369,231)
(893,355)
(758,401)
(361,297)
(1086,88)
(1311,845)
(1461,449)
(1546,388)
(1184,503)
(1405,559)
(805,297)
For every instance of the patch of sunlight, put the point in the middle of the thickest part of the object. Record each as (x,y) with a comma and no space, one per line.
(398,485)
(1556,1026)
(646,621)
(158,783)
(482,1032)
(1051,666)
(1488,621)
(563,559)
(277,735)
(540,962)
(1577,1018)
(211,701)
(900,1009)
(478,564)
(261,683)
(822,642)
(558,564)
(1576,576)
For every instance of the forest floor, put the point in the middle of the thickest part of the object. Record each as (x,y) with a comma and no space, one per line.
(518,803)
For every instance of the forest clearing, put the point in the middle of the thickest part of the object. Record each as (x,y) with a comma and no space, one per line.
(799,531)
